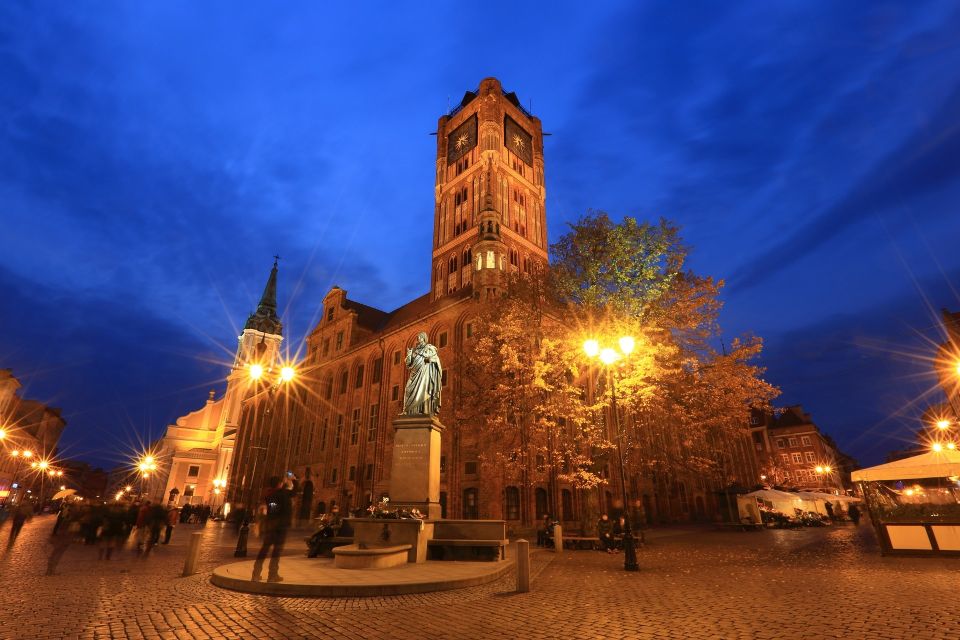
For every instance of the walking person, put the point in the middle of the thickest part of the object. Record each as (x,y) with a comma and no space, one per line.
(61,540)
(23,512)
(605,533)
(112,531)
(173,516)
(854,512)
(274,531)
(143,526)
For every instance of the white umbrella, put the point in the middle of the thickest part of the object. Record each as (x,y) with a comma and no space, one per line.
(63,494)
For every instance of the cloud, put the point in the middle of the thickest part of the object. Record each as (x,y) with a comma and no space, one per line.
(865,375)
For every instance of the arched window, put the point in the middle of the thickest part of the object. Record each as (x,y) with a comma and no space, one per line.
(512,503)
(453,264)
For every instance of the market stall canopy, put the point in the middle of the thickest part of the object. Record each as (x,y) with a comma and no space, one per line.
(828,497)
(59,495)
(935,464)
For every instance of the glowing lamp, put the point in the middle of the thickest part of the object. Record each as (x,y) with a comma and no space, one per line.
(256,371)
(943,424)
(28,454)
(827,469)
(951,445)
(287,373)
(591,348)
(3,434)
(43,464)
(626,345)
(937,447)
(819,469)
(608,356)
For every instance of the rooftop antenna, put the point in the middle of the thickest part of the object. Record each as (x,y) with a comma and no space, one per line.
(723,347)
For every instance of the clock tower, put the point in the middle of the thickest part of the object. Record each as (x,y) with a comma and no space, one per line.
(489,214)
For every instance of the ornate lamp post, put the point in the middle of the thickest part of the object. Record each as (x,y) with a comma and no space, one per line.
(609,357)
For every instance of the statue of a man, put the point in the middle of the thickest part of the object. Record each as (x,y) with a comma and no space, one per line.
(422,395)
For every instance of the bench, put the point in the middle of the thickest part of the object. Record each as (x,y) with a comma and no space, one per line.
(468,540)
(581,542)
(450,549)
(329,544)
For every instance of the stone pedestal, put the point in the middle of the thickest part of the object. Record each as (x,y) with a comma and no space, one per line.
(381,532)
(415,472)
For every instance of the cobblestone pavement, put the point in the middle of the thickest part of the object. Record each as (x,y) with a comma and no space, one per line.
(812,583)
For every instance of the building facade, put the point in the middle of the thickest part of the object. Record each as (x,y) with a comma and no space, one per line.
(331,426)
(794,452)
(31,431)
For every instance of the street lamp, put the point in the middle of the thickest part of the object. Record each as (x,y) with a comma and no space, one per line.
(257,373)
(19,456)
(146,466)
(608,356)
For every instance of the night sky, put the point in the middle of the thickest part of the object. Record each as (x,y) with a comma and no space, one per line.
(154,156)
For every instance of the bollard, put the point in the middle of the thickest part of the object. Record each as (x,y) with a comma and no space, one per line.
(558,538)
(523,566)
(193,554)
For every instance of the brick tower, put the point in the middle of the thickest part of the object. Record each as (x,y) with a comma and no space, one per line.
(490,214)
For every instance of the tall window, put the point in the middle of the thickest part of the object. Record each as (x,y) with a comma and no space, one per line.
(323,433)
(809,456)
(373,420)
(796,458)
(344,379)
(377,370)
(396,357)
(328,388)
(512,503)
(395,393)
(339,432)
(355,427)
(326,346)
(442,340)
(339,340)
(333,476)
(330,314)
(353,474)
(805,440)
(359,381)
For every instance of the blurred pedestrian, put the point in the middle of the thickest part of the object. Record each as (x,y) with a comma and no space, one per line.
(62,539)
(112,530)
(143,527)
(854,512)
(22,513)
(605,533)
(276,522)
(173,516)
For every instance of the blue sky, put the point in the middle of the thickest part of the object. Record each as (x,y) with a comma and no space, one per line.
(153,156)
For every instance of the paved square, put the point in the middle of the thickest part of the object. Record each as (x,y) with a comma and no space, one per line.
(810,583)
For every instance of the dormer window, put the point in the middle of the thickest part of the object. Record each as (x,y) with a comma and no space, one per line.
(330,314)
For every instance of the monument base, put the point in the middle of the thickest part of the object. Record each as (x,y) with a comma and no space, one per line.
(415,470)
(381,532)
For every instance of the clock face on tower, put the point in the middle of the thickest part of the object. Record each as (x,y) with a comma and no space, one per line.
(518,140)
(462,140)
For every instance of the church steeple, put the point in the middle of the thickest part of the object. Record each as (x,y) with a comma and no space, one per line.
(265,319)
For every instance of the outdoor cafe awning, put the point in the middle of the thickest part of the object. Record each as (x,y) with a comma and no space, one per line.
(934,464)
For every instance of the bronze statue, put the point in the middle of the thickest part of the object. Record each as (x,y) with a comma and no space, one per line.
(422,394)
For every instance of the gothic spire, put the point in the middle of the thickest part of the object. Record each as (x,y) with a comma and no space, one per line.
(265,318)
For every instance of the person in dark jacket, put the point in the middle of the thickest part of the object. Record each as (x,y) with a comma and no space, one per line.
(605,533)
(854,512)
(279,510)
